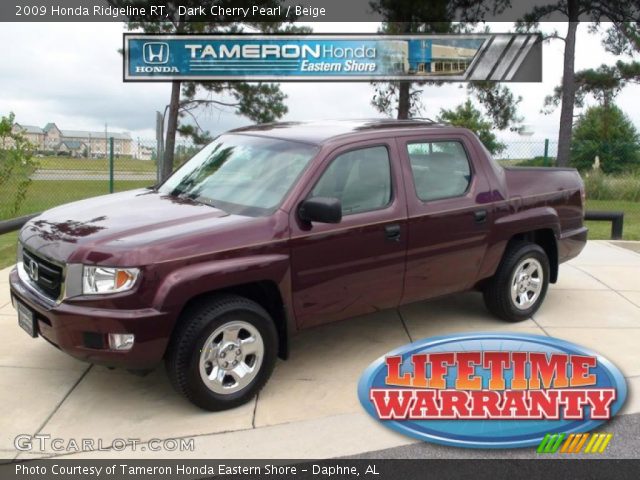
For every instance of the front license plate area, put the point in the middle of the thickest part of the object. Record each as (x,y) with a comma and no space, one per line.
(27,320)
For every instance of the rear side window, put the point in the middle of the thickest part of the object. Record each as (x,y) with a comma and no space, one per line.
(361,179)
(440,169)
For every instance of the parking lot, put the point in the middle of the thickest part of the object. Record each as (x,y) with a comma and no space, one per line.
(309,409)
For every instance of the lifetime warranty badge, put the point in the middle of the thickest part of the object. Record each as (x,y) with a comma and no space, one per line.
(497,57)
(495,390)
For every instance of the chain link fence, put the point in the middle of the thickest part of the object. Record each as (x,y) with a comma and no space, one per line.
(77,170)
(81,169)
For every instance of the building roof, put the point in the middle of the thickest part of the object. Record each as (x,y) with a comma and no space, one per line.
(317,132)
(83,134)
(88,134)
(29,128)
(72,145)
(452,52)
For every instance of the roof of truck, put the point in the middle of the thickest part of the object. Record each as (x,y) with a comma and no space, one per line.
(320,131)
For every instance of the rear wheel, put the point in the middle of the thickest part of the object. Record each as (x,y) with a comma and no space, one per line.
(520,284)
(223,353)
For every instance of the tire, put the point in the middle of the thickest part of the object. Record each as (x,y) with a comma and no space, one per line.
(211,336)
(522,264)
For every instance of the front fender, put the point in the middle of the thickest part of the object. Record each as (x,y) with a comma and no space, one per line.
(190,281)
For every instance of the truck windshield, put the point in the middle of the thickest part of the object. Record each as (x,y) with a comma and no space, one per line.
(241,174)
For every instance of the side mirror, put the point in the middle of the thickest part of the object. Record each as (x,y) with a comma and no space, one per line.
(321,209)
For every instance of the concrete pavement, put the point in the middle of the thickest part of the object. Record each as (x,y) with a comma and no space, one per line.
(309,408)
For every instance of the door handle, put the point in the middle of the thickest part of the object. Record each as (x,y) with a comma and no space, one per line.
(480,216)
(392,232)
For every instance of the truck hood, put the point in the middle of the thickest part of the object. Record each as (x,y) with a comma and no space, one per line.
(103,226)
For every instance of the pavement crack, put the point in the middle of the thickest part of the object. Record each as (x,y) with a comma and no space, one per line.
(540,326)
(255,409)
(404,324)
(610,288)
(57,407)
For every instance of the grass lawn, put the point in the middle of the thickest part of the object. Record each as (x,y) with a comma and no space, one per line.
(45,194)
(95,164)
(8,249)
(602,230)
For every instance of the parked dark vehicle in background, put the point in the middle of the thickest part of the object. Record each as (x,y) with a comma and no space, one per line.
(276,228)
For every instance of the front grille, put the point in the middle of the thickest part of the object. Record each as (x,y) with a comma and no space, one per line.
(44,275)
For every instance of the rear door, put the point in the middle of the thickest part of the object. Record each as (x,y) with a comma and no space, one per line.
(449,214)
(355,266)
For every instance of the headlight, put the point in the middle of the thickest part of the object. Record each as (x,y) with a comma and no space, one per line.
(97,280)
(19,253)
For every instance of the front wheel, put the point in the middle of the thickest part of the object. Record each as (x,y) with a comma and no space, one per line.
(520,284)
(222,353)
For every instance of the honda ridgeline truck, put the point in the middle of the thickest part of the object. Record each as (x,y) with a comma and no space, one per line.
(276,228)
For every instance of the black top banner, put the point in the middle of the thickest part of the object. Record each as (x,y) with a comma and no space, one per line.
(181,11)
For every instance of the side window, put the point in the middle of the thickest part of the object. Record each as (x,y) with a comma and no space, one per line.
(361,179)
(440,169)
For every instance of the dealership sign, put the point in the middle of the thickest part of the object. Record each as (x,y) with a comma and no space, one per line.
(500,57)
(491,390)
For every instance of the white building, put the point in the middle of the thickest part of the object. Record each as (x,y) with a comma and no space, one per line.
(77,143)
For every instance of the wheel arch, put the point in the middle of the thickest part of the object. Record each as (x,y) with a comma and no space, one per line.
(539,225)
(546,239)
(264,292)
(264,279)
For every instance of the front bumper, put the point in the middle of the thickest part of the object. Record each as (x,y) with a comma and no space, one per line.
(81,330)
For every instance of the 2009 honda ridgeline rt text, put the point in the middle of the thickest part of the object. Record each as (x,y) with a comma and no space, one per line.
(275,228)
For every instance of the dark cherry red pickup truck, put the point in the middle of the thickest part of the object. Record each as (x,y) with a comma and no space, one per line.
(276,228)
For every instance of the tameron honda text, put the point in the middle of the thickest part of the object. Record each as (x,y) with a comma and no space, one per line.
(491,390)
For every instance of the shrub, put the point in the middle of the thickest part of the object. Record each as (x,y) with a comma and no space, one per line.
(537,162)
(605,132)
(467,116)
(16,166)
(600,186)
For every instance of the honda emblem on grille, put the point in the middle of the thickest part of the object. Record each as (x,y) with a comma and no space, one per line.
(31,266)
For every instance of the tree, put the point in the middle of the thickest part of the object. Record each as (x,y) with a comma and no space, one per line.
(605,82)
(468,116)
(407,17)
(574,11)
(16,166)
(259,102)
(500,104)
(622,38)
(602,83)
(403,96)
(606,132)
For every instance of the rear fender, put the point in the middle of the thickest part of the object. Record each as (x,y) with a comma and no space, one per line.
(517,224)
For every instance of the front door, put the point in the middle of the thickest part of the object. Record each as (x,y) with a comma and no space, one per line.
(355,266)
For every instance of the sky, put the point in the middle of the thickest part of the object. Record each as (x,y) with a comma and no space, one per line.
(71,74)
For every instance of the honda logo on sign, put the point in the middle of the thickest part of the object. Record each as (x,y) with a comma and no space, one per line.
(155,53)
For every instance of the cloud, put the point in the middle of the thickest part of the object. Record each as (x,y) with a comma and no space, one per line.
(71,74)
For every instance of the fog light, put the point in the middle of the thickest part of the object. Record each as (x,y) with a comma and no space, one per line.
(121,341)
